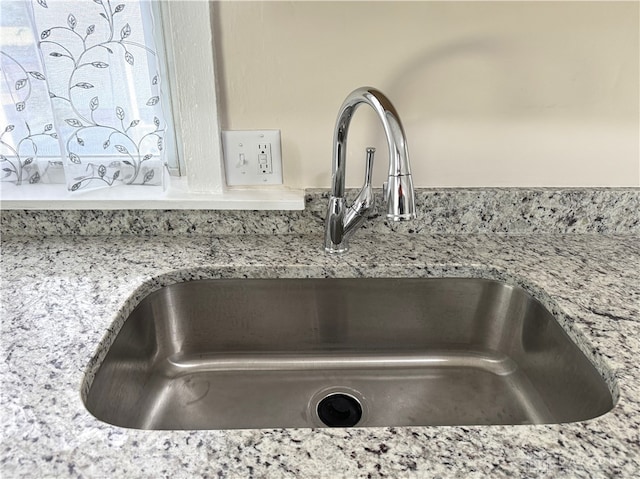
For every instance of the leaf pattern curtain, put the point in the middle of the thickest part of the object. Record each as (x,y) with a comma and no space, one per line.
(80,94)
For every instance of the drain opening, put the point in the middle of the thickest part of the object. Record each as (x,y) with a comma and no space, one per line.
(339,410)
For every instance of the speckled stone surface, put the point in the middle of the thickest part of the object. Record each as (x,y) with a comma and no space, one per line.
(452,210)
(65,298)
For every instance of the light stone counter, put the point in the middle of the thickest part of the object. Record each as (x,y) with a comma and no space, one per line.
(64,299)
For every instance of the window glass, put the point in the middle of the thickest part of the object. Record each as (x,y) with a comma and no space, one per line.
(81,94)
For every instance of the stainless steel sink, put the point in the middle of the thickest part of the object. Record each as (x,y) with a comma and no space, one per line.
(265,353)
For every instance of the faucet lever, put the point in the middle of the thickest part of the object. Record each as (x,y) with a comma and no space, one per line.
(368,167)
(365,201)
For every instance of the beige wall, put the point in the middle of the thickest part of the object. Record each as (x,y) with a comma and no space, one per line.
(490,93)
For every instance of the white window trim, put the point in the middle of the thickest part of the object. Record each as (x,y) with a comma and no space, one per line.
(188,29)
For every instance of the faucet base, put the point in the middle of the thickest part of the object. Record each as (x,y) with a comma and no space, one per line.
(338,249)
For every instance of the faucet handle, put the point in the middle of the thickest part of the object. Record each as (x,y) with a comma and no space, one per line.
(368,168)
(365,200)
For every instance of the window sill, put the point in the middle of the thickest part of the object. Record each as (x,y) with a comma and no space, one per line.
(177,196)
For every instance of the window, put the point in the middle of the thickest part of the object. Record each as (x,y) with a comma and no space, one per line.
(189,73)
(81,95)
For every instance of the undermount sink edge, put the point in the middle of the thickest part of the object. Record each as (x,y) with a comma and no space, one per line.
(488,275)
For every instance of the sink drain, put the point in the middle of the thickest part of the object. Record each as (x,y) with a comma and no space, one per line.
(339,410)
(338,406)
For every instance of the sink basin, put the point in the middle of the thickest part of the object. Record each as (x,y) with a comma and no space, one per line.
(274,353)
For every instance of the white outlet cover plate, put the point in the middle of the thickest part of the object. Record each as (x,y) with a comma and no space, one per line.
(241,164)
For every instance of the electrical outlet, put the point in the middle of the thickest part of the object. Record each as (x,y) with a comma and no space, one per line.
(265,161)
(252,157)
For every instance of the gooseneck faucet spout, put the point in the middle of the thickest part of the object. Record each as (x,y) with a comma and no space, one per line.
(343,220)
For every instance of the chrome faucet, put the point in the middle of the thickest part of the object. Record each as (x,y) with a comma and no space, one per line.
(343,220)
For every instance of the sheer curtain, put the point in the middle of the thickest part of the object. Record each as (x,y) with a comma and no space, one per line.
(80,92)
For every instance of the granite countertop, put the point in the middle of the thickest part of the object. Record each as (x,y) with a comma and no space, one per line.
(65,298)
(70,278)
